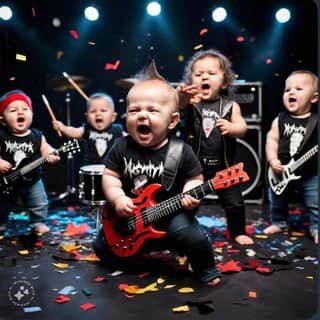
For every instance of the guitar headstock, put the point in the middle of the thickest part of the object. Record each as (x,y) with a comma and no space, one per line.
(230,176)
(71,146)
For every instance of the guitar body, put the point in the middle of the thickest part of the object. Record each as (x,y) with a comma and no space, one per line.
(278,182)
(126,236)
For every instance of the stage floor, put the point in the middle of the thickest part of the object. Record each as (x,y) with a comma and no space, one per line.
(57,274)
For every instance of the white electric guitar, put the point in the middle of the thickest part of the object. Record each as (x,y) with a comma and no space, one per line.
(278,182)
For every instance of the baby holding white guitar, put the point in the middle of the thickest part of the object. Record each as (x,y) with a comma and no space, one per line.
(291,146)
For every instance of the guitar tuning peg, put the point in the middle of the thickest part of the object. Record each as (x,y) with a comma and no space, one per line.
(233,180)
(237,169)
(240,178)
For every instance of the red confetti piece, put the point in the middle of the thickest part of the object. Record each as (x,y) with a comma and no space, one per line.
(110,66)
(143,275)
(203,31)
(219,244)
(240,39)
(233,250)
(33,12)
(100,279)
(87,306)
(122,286)
(74,34)
(62,299)
(38,244)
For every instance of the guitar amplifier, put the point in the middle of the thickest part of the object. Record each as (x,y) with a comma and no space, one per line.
(249,97)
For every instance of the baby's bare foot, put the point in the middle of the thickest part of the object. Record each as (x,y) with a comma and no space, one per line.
(214,281)
(243,240)
(272,229)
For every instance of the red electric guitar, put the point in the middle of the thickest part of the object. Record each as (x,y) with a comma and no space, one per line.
(125,236)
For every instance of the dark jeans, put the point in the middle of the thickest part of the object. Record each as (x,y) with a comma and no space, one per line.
(232,202)
(184,235)
(34,198)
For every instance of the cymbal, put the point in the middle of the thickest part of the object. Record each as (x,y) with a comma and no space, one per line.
(127,83)
(62,84)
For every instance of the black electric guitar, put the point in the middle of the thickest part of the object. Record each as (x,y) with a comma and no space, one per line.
(8,180)
(125,236)
(278,182)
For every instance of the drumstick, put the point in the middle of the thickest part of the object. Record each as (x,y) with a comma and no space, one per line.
(75,85)
(50,112)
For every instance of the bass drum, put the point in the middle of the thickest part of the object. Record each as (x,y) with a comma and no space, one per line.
(252,190)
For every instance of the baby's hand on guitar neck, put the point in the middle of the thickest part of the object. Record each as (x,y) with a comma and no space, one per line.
(189,203)
(124,207)
(5,166)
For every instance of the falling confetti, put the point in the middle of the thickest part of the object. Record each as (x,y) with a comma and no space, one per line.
(197,47)
(56,22)
(74,34)
(110,66)
(21,57)
(203,31)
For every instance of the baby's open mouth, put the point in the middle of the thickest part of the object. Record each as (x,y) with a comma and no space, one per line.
(292,99)
(20,119)
(205,86)
(144,129)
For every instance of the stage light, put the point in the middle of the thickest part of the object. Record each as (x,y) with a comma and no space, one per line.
(5,13)
(219,14)
(91,13)
(154,8)
(283,15)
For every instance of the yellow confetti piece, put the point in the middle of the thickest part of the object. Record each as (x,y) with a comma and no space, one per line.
(169,286)
(71,247)
(297,234)
(160,280)
(24,252)
(185,290)
(183,308)
(293,238)
(1,237)
(21,57)
(261,236)
(252,294)
(59,54)
(218,250)
(310,277)
(90,258)
(197,47)
(61,265)
(12,78)
(180,58)
(137,290)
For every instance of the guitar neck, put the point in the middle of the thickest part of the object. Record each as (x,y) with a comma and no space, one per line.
(304,158)
(173,204)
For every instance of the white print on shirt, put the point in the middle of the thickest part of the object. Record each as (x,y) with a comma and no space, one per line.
(19,151)
(101,141)
(209,118)
(140,183)
(135,169)
(296,135)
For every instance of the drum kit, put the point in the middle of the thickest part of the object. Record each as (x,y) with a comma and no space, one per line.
(90,176)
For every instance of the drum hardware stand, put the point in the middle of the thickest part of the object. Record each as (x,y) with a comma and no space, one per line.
(70,189)
(97,211)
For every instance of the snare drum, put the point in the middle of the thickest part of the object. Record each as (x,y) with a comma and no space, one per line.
(90,184)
